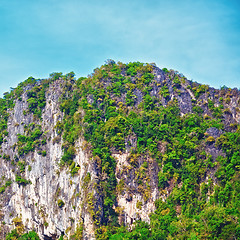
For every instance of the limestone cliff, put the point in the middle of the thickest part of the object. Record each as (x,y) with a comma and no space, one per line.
(57,199)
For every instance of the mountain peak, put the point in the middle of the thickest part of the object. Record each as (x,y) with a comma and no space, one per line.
(131,151)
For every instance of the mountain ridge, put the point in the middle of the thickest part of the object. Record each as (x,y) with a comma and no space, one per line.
(130,151)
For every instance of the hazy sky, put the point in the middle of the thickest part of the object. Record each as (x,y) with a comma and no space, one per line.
(198,38)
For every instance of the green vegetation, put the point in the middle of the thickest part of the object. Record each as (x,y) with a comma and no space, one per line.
(36,99)
(32,139)
(107,122)
(198,89)
(5,103)
(3,187)
(21,181)
(13,235)
(78,233)
(21,165)
(18,232)
(60,203)
(139,205)
(120,103)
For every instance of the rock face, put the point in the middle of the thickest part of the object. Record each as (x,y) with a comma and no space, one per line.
(135,203)
(37,203)
(54,201)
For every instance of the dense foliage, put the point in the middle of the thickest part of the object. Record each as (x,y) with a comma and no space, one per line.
(124,108)
(14,235)
(197,207)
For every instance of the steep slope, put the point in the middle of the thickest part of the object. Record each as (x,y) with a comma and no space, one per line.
(132,150)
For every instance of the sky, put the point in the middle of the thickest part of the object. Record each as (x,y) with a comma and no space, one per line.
(200,38)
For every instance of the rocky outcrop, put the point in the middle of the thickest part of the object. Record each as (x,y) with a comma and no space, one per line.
(38,203)
(47,197)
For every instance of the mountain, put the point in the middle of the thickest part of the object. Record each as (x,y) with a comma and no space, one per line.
(129,152)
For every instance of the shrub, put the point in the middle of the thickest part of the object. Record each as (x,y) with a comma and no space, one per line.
(44,153)
(139,205)
(165,70)
(2,189)
(21,181)
(57,139)
(227,111)
(228,100)
(210,139)
(60,203)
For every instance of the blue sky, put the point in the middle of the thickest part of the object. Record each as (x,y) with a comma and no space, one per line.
(199,38)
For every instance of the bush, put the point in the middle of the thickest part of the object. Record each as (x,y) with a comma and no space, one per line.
(60,203)
(21,181)
(210,139)
(14,235)
(139,205)
(44,153)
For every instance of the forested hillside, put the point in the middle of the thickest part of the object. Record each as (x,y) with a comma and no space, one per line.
(129,152)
